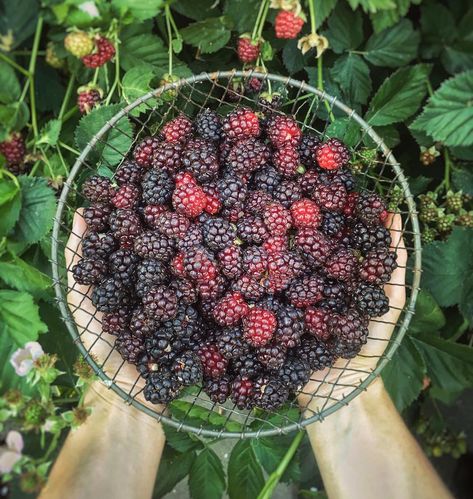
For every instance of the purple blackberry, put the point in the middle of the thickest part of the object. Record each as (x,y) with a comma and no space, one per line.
(332,197)
(378,266)
(97,217)
(110,295)
(247,156)
(367,238)
(272,355)
(130,347)
(192,239)
(267,179)
(256,202)
(213,289)
(230,343)
(161,387)
(144,151)
(290,326)
(153,245)
(201,161)
(308,182)
(218,390)
(125,223)
(314,245)
(308,148)
(160,303)
(123,265)
(255,260)
(89,271)
(346,177)
(270,393)
(305,291)
(129,173)
(168,156)
(249,287)
(314,353)
(230,260)
(295,373)
(370,208)
(371,300)
(117,322)
(208,125)
(335,296)
(341,265)
(157,187)
(141,324)
(332,223)
(252,229)
(185,291)
(95,245)
(218,233)
(242,393)
(172,225)
(98,189)
(287,193)
(149,272)
(350,334)
(232,191)
(187,368)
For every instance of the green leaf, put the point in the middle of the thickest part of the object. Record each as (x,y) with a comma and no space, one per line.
(208,36)
(181,441)
(9,85)
(399,96)
(50,132)
(352,73)
(437,27)
(458,57)
(463,180)
(323,11)
(207,478)
(137,82)
(140,11)
(145,48)
(388,133)
(386,18)
(17,21)
(195,10)
(8,191)
(345,29)
(172,469)
(346,130)
(245,478)
(241,12)
(448,116)
(448,268)
(18,274)
(428,315)
(270,452)
(393,47)
(372,5)
(292,57)
(13,116)
(37,210)
(19,317)
(114,144)
(403,376)
(9,210)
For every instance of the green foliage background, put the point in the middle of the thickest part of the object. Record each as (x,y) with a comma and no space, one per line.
(405,65)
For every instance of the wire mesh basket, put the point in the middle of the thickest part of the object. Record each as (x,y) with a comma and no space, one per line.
(223,91)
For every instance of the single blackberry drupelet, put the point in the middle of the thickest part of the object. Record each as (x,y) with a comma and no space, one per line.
(290,326)
(144,151)
(218,390)
(98,189)
(377,266)
(270,393)
(350,334)
(231,343)
(153,245)
(218,233)
(130,347)
(371,300)
(367,238)
(208,125)
(123,265)
(160,303)
(168,156)
(89,271)
(157,187)
(129,172)
(213,362)
(242,393)
(161,387)
(315,353)
(187,368)
(295,373)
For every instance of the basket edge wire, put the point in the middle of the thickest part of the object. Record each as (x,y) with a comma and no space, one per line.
(409,310)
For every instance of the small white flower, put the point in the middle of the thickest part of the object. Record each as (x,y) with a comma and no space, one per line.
(89,8)
(311,41)
(10,453)
(23,359)
(48,425)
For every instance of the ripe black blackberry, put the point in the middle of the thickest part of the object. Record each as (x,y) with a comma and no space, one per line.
(129,172)
(130,347)
(187,368)
(367,238)
(346,177)
(315,353)
(160,303)
(270,393)
(242,393)
(117,322)
(98,189)
(287,193)
(110,295)
(335,296)
(267,179)
(371,300)
(125,222)
(208,125)
(123,265)
(163,346)
(332,224)
(157,187)
(185,291)
(350,334)
(308,182)
(141,324)
(149,272)
(232,191)
(144,151)
(192,239)
(201,161)
(89,271)
(185,323)
(146,365)
(252,229)
(332,196)
(168,156)
(247,365)
(153,245)
(173,225)
(378,266)
(370,208)
(249,287)
(305,291)
(95,245)
(290,326)
(230,342)
(218,390)
(97,216)
(161,387)
(272,355)
(295,373)
(247,156)
(308,148)
(218,233)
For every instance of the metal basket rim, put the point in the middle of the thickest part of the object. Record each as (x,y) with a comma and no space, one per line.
(400,177)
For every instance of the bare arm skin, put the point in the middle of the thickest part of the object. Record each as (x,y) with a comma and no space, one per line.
(116,452)
(364,450)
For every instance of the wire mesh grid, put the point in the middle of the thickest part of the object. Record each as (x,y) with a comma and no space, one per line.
(223,91)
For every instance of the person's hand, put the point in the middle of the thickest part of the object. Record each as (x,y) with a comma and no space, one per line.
(332,384)
(89,324)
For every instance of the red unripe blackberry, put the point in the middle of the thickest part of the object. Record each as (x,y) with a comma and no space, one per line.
(248,50)
(230,310)
(104,51)
(88,98)
(286,160)
(98,189)
(127,196)
(145,150)
(272,355)
(377,266)
(332,197)
(259,326)
(218,390)
(283,131)
(275,244)
(230,260)
(341,265)
(214,204)
(270,393)
(213,362)
(319,322)
(168,156)
(305,291)
(97,216)
(172,224)
(370,208)
(242,123)
(160,303)
(129,172)
(153,245)
(350,205)
(308,148)
(247,155)
(242,393)
(305,213)
(89,271)
(189,199)
(332,155)
(14,149)
(287,25)
(199,265)
(314,244)
(177,130)
(277,219)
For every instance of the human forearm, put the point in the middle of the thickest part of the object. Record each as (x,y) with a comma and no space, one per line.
(115,453)
(365,451)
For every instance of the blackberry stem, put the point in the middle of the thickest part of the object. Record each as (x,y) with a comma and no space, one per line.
(169,32)
(258,18)
(31,71)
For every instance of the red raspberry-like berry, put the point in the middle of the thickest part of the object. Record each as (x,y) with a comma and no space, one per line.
(341,265)
(248,50)
(287,25)
(283,130)
(230,309)
(145,150)
(13,148)
(275,244)
(177,130)
(230,260)
(189,199)
(214,364)
(242,123)
(259,326)
(177,266)
(286,160)
(332,155)
(88,98)
(277,219)
(378,266)
(185,178)
(104,51)
(305,213)
(214,205)
(199,265)
(319,322)
(126,197)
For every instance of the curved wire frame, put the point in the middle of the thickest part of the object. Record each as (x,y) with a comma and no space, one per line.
(194,412)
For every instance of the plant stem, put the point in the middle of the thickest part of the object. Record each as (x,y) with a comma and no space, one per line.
(275,477)
(169,31)
(67,96)
(263,19)
(117,75)
(312,16)
(14,65)
(11,176)
(258,17)
(69,114)
(447,168)
(320,86)
(31,70)
(69,148)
